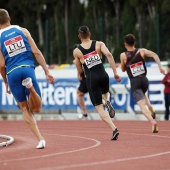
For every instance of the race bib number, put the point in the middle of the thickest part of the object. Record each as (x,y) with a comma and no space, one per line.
(137,69)
(15,46)
(92,59)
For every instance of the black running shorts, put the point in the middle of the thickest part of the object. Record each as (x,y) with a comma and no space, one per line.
(83,87)
(139,86)
(97,84)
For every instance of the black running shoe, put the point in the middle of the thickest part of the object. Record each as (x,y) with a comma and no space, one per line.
(115,134)
(110,109)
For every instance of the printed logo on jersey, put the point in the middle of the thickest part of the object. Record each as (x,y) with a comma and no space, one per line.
(92,59)
(137,69)
(15,46)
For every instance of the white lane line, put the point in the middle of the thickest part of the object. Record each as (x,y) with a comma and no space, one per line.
(104,162)
(97,143)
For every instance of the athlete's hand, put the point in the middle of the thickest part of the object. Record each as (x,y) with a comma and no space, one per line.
(50,78)
(117,77)
(7,88)
(80,78)
(162,71)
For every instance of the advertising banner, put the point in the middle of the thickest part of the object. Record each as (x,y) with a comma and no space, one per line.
(61,95)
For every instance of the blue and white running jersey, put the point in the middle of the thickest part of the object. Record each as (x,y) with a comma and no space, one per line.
(15,48)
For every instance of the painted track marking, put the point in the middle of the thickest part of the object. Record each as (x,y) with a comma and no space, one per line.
(104,162)
(60,153)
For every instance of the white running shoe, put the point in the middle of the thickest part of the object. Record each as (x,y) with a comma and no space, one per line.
(82,117)
(41,144)
(27,82)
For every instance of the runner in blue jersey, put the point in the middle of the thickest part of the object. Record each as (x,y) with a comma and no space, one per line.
(89,54)
(17,69)
(133,62)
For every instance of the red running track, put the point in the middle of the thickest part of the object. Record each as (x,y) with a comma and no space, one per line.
(86,145)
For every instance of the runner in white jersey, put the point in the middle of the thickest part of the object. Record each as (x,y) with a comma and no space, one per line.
(132,61)
(17,70)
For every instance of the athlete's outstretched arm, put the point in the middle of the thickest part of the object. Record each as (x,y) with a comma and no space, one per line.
(149,53)
(110,59)
(38,55)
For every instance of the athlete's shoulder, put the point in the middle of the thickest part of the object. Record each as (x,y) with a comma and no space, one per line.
(25,31)
(76,51)
(14,26)
(100,42)
(122,55)
(142,49)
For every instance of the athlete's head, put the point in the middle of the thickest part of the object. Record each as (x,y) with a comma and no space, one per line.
(84,32)
(129,39)
(4,16)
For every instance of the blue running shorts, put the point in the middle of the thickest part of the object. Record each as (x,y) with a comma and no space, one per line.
(15,78)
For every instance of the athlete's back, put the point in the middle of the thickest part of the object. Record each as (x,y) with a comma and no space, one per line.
(135,64)
(92,60)
(15,48)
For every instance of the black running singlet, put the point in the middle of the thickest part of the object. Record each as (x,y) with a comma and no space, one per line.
(97,79)
(91,57)
(135,65)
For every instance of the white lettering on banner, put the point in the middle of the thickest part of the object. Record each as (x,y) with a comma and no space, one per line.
(122,101)
(62,95)
(7,98)
(59,96)
(70,91)
(47,94)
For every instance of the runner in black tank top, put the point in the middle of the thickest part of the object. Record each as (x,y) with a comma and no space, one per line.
(136,70)
(133,62)
(89,55)
(97,79)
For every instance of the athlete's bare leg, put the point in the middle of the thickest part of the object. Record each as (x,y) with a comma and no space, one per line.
(35,102)
(106,97)
(29,119)
(149,104)
(104,116)
(143,106)
(80,98)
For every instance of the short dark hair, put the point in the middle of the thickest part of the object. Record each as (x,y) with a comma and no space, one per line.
(84,31)
(129,39)
(3,16)
(168,65)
